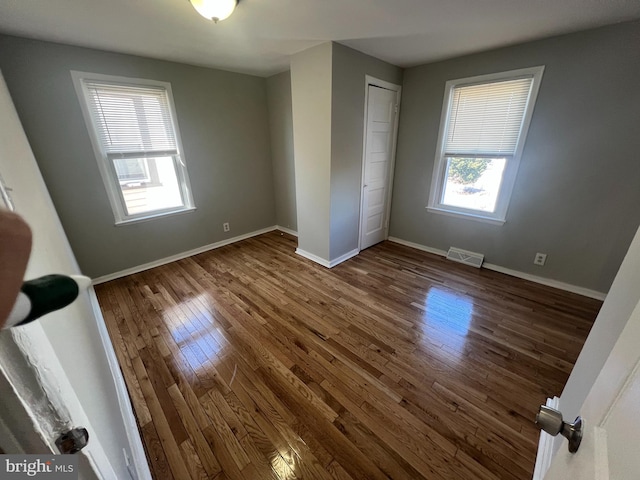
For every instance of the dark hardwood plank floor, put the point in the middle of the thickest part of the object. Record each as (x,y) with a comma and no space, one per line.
(250,362)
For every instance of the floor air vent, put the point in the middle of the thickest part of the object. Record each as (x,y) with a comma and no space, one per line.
(463,256)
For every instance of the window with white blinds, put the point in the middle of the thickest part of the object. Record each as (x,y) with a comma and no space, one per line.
(482,132)
(486,119)
(132,121)
(135,137)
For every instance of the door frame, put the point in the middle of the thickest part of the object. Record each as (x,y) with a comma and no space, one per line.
(376,82)
(39,400)
(39,396)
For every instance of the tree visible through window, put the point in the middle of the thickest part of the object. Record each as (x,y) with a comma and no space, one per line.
(466,171)
(473,183)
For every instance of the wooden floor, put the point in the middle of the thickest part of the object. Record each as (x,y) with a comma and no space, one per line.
(250,362)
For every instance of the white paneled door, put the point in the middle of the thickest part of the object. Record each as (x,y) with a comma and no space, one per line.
(382,110)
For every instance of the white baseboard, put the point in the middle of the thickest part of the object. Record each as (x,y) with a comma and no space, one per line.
(344,258)
(327,263)
(567,287)
(545,447)
(514,273)
(179,256)
(136,450)
(417,246)
(287,230)
(314,258)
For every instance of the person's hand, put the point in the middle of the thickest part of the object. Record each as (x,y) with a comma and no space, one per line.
(15,247)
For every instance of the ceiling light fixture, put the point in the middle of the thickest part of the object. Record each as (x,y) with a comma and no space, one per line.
(215,10)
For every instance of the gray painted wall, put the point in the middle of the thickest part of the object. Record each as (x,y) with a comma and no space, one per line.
(578,188)
(223,120)
(311,96)
(347,129)
(281,127)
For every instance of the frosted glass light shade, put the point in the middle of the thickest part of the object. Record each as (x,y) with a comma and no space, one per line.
(215,10)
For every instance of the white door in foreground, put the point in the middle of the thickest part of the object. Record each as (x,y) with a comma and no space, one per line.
(379,143)
(609,448)
(60,371)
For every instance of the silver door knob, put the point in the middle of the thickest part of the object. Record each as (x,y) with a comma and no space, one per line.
(551,421)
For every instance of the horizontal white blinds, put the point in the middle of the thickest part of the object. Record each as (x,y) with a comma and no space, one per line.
(486,119)
(131,121)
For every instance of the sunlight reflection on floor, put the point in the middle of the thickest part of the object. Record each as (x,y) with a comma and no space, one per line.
(195,330)
(446,317)
(282,467)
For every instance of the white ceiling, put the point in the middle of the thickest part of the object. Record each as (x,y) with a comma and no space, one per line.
(261,35)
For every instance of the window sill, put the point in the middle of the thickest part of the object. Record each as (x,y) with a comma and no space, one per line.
(153,216)
(133,186)
(468,216)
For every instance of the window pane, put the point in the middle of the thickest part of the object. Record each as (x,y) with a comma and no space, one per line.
(473,183)
(159,190)
(132,170)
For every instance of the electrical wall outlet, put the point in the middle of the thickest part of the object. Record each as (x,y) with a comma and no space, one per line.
(540,259)
(225,226)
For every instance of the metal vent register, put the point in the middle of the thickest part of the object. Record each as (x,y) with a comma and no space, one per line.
(466,257)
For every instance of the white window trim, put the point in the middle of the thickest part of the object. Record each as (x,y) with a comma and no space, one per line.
(511,169)
(107,170)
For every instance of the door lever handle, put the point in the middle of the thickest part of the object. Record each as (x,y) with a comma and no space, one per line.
(550,420)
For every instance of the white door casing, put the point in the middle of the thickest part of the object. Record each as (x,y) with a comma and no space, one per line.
(381,123)
(47,394)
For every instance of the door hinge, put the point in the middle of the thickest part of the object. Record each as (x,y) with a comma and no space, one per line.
(72,441)
(396,108)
